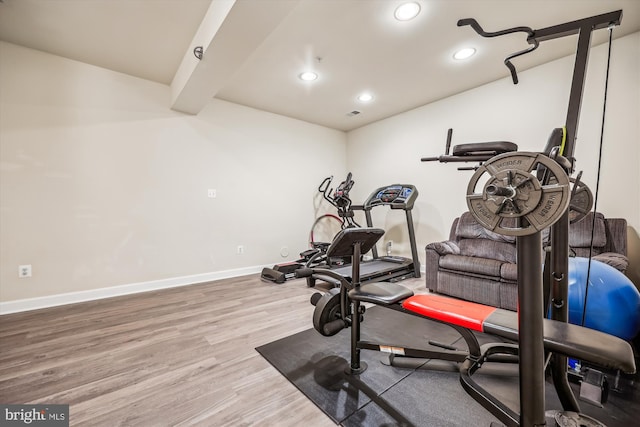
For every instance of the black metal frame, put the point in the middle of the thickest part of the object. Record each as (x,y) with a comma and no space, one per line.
(352,310)
(559,274)
(530,276)
(357,367)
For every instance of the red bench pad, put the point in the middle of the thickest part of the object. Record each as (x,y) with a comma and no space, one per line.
(449,310)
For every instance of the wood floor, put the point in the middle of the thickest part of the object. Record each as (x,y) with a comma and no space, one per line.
(178,357)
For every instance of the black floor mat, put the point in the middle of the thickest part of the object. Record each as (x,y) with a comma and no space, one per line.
(392,396)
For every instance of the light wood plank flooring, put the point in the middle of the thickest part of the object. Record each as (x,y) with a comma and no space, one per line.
(177,357)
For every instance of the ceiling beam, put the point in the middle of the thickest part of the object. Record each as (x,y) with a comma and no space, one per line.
(230,32)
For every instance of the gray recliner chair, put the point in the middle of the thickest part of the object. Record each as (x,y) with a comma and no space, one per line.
(478,265)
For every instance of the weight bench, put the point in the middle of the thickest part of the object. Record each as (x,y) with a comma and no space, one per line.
(567,339)
(561,338)
(342,308)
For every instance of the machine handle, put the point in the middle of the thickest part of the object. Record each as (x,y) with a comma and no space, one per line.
(308,272)
(478,29)
(303,272)
(334,327)
(324,189)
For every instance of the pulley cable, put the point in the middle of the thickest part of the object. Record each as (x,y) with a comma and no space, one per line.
(595,197)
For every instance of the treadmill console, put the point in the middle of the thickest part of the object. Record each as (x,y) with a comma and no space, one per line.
(397,196)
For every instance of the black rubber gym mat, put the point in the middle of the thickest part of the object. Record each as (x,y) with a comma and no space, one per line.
(427,396)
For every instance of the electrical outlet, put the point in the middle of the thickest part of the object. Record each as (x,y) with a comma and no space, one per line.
(212,193)
(24,271)
(240,249)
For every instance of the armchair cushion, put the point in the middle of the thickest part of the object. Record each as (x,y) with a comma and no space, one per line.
(509,272)
(469,228)
(470,264)
(483,248)
(580,235)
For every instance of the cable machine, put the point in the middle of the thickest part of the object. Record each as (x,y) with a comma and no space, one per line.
(530,279)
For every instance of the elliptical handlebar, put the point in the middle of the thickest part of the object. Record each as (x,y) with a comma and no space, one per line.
(341,195)
(345,186)
(324,189)
(340,199)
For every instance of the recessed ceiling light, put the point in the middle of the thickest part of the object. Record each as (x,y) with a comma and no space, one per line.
(365,97)
(465,53)
(407,11)
(308,76)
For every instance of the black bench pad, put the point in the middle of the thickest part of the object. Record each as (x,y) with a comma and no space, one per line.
(570,340)
(383,293)
(478,148)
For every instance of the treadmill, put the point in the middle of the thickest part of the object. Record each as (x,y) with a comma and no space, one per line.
(383,268)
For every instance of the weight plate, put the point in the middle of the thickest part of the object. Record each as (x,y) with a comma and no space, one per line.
(581,200)
(327,310)
(522,189)
(512,201)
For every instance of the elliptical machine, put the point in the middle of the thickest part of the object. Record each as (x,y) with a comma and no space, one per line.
(342,202)
(317,253)
(340,199)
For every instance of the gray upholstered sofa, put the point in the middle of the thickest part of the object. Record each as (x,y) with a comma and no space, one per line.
(478,265)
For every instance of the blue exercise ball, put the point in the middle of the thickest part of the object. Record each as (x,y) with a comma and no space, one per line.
(613,302)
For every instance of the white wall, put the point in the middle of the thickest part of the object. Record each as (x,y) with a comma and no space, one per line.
(102,185)
(390,150)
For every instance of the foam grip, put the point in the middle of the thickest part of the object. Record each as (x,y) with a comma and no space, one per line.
(333,328)
(303,272)
(315,298)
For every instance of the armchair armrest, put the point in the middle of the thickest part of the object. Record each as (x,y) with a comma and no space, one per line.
(616,236)
(444,248)
(432,260)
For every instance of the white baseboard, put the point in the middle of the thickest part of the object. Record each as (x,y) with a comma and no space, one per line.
(28,304)
(17,306)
